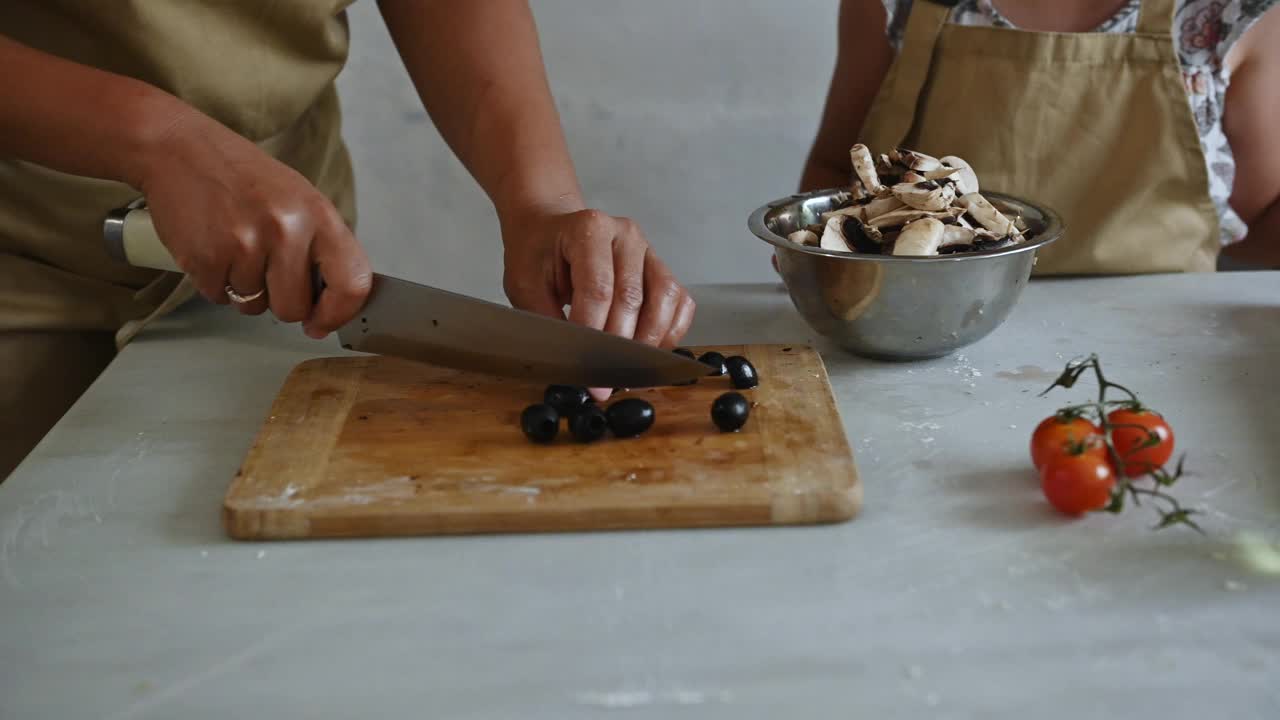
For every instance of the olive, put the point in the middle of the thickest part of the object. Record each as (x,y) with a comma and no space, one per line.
(589,425)
(741,372)
(682,352)
(715,361)
(566,399)
(629,418)
(540,423)
(729,412)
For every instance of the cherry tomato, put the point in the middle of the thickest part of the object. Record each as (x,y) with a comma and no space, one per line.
(1077,484)
(1055,436)
(1133,430)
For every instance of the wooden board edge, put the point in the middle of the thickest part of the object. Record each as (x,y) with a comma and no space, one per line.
(249,521)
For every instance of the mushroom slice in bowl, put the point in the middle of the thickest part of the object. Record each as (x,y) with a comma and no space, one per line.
(920,238)
(967,179)
(898,218)
(804,237)
(865,168)
(981,210)
(925,195)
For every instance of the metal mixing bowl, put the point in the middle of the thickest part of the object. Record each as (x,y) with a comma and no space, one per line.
(901,308)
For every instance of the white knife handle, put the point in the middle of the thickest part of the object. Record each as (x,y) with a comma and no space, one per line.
(131,237)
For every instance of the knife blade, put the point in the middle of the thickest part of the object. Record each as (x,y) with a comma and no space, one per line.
(429,325)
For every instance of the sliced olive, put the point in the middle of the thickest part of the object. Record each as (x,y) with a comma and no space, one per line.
(631,417)
(540,423)
(566,399)
(730,411)
(741,372)
(715,361)
(589,425)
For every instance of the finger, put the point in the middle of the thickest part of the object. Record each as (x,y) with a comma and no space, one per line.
(248,275)
(347,275)
(590,257)
(289,277)
(662,296)
(534,293)
(682,321)
(542,303)
(600,394)
(629,251)
(208,271)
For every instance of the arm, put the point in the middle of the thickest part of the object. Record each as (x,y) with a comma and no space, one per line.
(862,60)
(77,119)
(1252,105)
(222,206)
(478,69)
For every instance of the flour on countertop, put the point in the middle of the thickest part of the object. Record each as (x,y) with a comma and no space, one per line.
(625,699)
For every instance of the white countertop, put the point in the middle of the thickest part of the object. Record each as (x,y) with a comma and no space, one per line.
(956,594)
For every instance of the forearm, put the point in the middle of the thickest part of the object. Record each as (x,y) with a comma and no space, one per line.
(77,119)
(478,69)
(1261,248)
(862,60)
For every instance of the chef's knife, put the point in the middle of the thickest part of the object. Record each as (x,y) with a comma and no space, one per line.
(426,324)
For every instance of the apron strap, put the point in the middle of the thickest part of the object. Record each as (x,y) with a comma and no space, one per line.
(1155,17)
(911,69)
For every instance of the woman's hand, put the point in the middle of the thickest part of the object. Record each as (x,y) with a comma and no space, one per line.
(602,267)
(233,216)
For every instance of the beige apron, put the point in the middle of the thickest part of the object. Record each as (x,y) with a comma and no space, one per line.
(264,68)
(1095,125)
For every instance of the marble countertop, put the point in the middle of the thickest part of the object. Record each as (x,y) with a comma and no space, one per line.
(956,593)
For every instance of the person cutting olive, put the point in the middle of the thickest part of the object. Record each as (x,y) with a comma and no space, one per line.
(1148,124)
(225,117)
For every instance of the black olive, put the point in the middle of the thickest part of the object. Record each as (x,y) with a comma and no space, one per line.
(715,361)
(729,412)
(741,372)
(540,423)
(589,425)
(630,417)
(689,354)
(566,399)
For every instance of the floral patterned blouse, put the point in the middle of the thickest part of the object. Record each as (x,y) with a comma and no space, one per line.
(1205,31)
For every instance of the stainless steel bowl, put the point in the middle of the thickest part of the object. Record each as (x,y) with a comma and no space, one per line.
(901,308)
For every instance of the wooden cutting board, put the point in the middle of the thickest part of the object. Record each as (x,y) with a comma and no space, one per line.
(373,446)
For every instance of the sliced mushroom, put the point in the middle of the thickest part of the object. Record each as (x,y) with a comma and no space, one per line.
(898,218)
(865,167)
(955,235)
(833,236)
(861,237)
(920,238)
(944,173)
(884,164)
(967,180)
(925,195)
(986,214)
(871,210)
(881,206)
(915,161)
(851,211)
(803,237)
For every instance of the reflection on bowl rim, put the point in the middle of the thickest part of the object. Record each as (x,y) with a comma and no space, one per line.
(1052,231)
